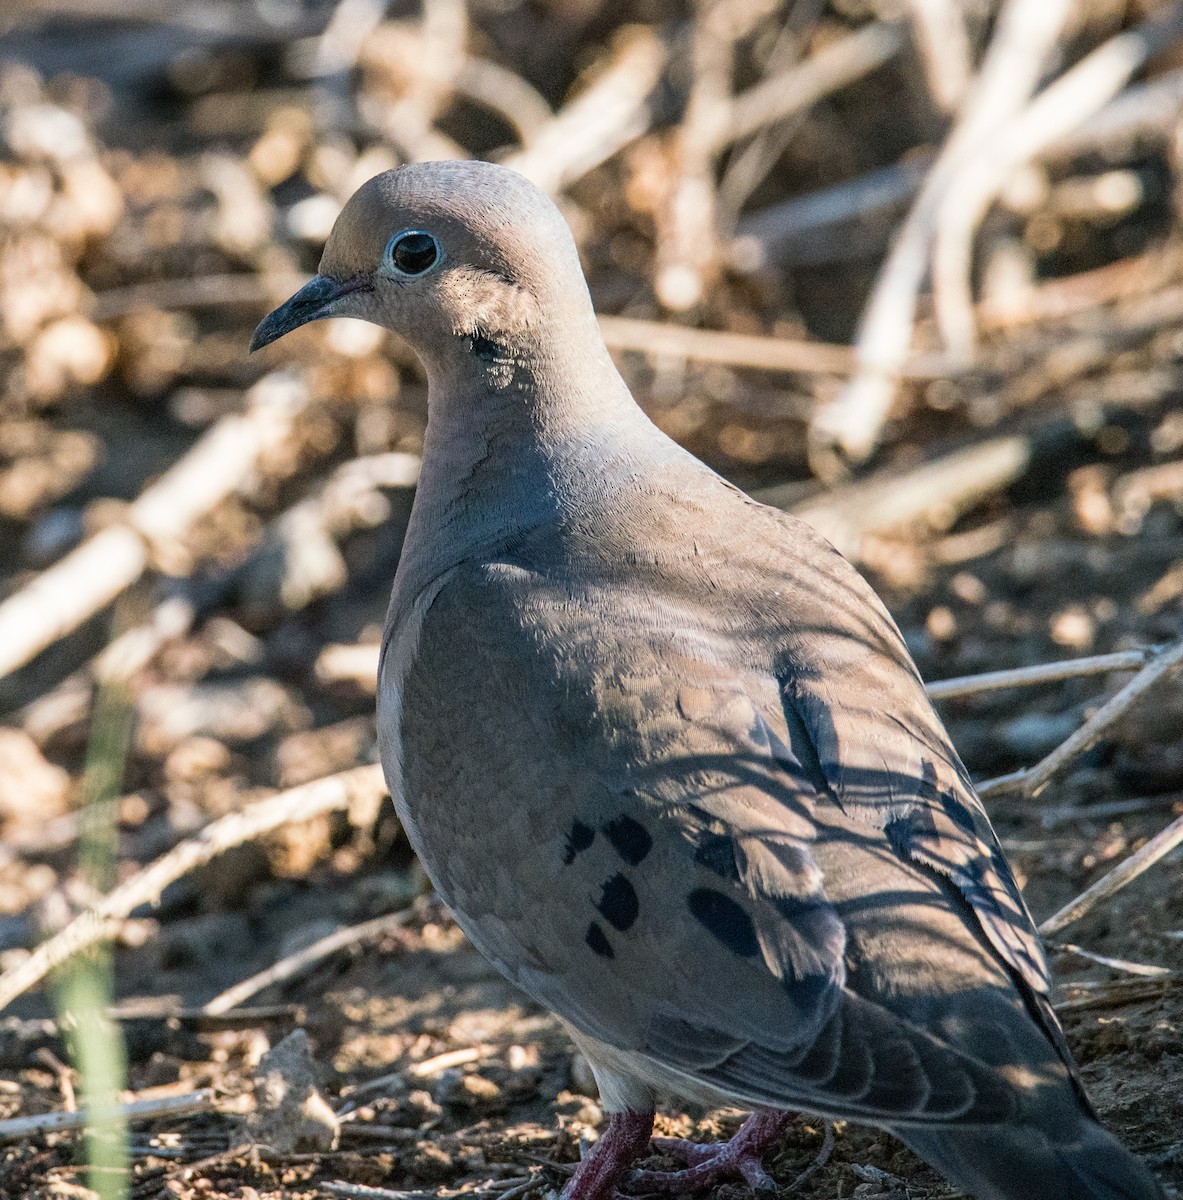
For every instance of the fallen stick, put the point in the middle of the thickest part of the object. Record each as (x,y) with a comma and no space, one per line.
(1033,780)
(732,349)
(992,681)
(224,461)
(943,42)
(947,487)
(1147,108)
(1024,35)
(1115,993)
(1143,970)
(1113,881)
(305,959)
(359,790)
(1061,107)
(804,230)
(344,663)
(613,111)
(687,249)
(807,82)
(16,1128)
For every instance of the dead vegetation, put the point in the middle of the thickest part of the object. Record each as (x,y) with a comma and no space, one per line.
(913,270)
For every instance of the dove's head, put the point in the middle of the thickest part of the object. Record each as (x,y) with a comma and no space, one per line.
(460,258)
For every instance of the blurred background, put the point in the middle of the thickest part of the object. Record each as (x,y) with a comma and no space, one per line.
(912,269)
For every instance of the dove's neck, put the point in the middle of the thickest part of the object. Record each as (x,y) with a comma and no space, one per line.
(517,442)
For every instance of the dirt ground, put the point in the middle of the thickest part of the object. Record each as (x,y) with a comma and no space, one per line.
(210,157)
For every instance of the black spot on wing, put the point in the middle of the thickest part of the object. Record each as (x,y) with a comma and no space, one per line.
(598,941)
(630,839)
(717,852)
(578,840)
(619,903)
(726,920)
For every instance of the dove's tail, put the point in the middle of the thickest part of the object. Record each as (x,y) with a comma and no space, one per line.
(1018,1162)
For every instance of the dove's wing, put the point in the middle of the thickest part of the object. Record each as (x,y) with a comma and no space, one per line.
(671,846)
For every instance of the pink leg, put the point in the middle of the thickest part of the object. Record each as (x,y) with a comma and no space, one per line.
(709,1162)
(598,1174)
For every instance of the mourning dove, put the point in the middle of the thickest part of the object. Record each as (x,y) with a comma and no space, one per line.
(663,752)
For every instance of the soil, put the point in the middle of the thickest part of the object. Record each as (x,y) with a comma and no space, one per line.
(445,1078)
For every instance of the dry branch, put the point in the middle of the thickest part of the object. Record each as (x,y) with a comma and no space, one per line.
(1033,780)
(1144,970)
(687,235)
(61,598)
(344,663)
(943,43)
(890,499)
(818,227)
(359,790)
(305,959)
(16,1128)
(1025,33)
(809,81)
(1113,881)
(1061,107)
(992,681)
(613,111)
(733,349)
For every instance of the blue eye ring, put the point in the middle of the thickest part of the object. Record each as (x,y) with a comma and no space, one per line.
(412,252)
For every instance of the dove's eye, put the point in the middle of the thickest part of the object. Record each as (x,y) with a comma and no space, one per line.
(411,252)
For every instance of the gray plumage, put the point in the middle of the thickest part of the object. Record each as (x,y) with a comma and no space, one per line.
(662,750)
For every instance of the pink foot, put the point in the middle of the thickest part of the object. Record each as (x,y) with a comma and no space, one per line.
(708,1163)
(598,1174)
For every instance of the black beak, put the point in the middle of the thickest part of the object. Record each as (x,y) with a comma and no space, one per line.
(311,302)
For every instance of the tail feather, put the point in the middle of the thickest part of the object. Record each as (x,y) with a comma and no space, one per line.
(1017,1162)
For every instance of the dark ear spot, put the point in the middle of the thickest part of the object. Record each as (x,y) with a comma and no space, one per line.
(725,919)
(598,941)
(578,840)
(619,903)
(630,839)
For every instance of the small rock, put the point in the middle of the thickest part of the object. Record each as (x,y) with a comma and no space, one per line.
(31,788)
(290,1113)
(431,1163)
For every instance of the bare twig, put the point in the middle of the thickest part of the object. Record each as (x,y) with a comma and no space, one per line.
(687,236)
(359,1191)
(809,81)
(359,789)
(409,120)
(1153,107)
(820,1160)
(1113,881)
(734,349)
(1033,780)
(943,43)
(344,663)
(1058,109)
(507,94)
(804,230)
(613,111)
(16,1128)
(1116,993)
(61,598)
(1098,664)
(1025,33)
(305,959)
(889,499)
(1145,970)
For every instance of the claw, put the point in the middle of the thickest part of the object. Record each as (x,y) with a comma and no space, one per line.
(707,1163)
